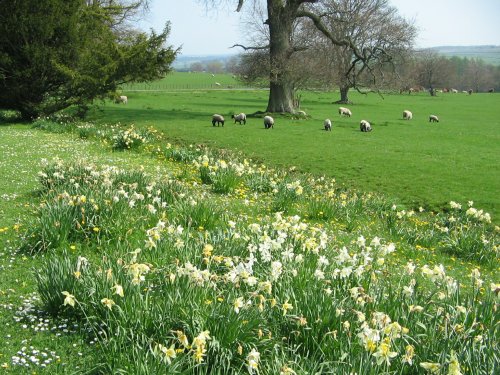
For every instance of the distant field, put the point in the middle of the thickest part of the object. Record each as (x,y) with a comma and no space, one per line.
(414,162)
(489,54)
(188,81)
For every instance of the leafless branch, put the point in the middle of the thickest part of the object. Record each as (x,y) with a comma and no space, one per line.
(254,48)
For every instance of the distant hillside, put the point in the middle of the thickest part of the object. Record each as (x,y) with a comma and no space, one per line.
(489,54)
(183,62)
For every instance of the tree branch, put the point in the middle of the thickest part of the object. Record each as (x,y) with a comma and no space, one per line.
(321,27)
(240,5)
(250,48)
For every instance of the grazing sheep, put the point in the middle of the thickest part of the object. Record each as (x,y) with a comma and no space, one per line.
(365,126)
(345,112)
(433,118)
(407,115)
(491,90)
(328,124)
(454,91)
(241,117)
(121,99)
(268,122)
(217,119)
(469,91)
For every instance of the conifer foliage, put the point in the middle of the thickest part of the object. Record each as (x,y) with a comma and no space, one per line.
(60,53)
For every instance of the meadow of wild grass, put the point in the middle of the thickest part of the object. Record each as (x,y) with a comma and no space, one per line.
(416,162)
(124,252)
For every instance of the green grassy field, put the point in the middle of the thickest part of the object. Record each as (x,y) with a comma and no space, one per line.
(415,162)
(187,81)
(145,258)
(125,250)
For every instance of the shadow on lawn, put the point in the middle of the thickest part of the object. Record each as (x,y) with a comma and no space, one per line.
(146,115)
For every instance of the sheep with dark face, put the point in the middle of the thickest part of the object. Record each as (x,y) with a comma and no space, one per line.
(407,115)
(365,126)
(240,118)
(433,118)
(217,119)
(327,124)
(345,112)
(268,122)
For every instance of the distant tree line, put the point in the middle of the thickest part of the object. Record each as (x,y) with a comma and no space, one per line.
(418,70)
(432,71)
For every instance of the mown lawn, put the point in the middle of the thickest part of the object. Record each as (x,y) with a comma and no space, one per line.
(414,162)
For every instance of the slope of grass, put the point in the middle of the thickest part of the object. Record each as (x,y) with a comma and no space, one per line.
(172,259)
(416,162)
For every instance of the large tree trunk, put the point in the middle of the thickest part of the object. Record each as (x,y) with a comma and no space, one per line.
(280,21)
(344,98)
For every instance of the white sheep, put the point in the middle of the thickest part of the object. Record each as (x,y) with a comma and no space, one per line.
(407,115)
(433,118)
(365,126)
(121,99)
(217,119)
(328,124)
(345,112)
(241,117)
(268,122)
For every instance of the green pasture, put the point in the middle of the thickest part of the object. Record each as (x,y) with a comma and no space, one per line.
(149,220)
(187,81)
(414,162)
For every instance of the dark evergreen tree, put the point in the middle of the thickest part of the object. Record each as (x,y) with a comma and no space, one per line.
(60,53)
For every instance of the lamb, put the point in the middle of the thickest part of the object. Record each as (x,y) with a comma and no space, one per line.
(433,118)
(241,117)
(365,126)
(328,124)
(345,112)
(407,115)
(121,99)
(217,119)
(268,122)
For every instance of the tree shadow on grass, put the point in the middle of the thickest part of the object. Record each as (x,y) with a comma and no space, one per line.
(133,115)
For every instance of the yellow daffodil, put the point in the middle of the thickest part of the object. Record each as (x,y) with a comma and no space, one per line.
(69,299)
(109,303)
(384,354)
(118,290)
(431,367)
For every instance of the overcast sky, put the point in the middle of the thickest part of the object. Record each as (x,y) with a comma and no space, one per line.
(440,22)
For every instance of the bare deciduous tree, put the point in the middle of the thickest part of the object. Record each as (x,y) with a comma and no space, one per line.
(432,70)
(281,22)
(375,28)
